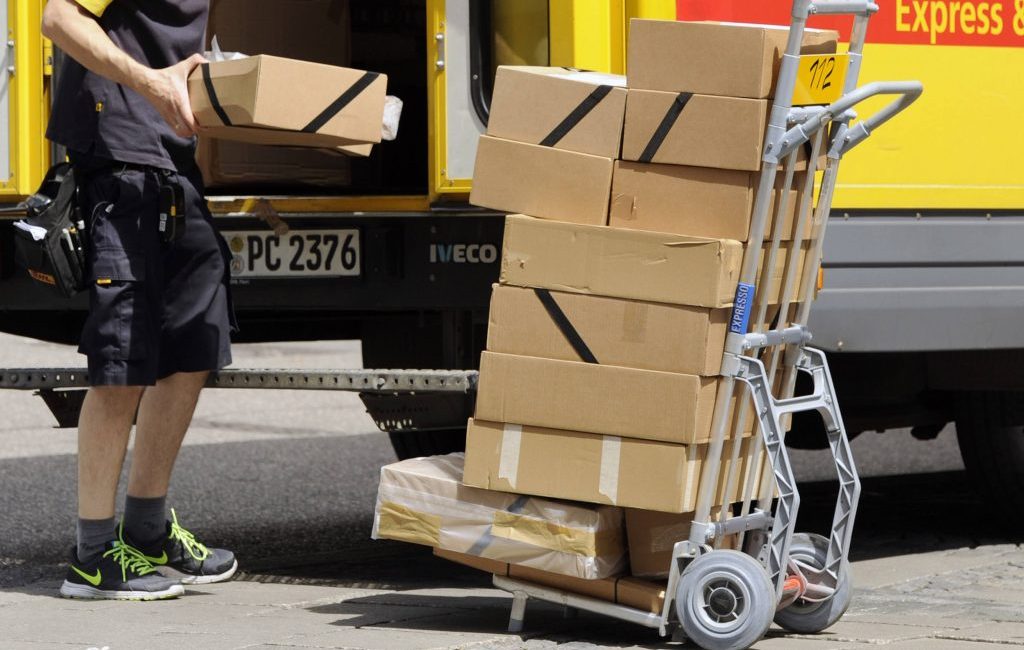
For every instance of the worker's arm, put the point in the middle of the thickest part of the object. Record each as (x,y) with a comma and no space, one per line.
(75,30)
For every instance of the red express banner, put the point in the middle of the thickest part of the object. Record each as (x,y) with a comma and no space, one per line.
(998,23)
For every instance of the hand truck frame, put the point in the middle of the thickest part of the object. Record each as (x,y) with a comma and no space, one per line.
(724,598)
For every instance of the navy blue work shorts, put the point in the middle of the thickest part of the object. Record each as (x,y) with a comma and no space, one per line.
(155,308)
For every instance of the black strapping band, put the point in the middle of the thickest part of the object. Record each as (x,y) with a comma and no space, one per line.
(212,94)
(341,102)
(667,122)
(577,114)
(562,321)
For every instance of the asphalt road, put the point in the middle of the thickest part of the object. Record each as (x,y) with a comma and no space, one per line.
(288,480)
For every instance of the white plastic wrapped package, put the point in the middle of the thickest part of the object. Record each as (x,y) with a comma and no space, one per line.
(423,501)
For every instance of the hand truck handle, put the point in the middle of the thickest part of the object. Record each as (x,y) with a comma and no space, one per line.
(803,8)
(908,92)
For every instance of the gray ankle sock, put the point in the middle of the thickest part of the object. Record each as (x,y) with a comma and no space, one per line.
(93,535)
(145,520)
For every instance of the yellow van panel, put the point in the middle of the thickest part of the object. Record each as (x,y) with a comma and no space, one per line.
(958,147)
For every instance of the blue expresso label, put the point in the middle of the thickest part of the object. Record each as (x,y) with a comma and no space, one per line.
(741,308)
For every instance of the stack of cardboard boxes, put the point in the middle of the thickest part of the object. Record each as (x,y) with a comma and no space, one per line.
(607,329)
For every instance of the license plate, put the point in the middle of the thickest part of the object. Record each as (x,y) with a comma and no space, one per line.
(820,79)
(299,253)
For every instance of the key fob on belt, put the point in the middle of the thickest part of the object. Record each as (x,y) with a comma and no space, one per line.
(172,210)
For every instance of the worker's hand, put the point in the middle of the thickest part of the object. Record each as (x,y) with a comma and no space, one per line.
(167,90)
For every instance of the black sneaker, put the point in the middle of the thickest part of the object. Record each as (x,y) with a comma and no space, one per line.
(183,558)
(121,573)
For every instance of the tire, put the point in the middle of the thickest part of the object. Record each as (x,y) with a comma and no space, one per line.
(992,447)
(725,600)
(805,617)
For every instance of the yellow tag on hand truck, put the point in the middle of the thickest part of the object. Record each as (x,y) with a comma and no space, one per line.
(819,79)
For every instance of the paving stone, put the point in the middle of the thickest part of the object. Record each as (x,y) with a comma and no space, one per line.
(944,644)
(994,632)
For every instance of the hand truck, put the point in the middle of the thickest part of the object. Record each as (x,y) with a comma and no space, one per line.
(726,598)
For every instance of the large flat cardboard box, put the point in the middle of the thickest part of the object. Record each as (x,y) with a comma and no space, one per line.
(619,263)
(423,501)
(631,264)
(273,100)
(695,201)
(729,59)
(641,594)
(618,332)
(579,466)
(541,181)
(561,108)
(610,400)
(702,130)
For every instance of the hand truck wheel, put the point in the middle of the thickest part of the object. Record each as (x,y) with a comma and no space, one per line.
(725,600)
(806,617)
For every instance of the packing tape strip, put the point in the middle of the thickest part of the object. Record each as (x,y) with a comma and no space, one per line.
(508,463)
(608,482)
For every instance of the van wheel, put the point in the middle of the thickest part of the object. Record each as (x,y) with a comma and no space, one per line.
(991,441)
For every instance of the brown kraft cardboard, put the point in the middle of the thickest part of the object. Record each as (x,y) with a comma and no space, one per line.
(541,181)
(618,332)
(565,109)
(729,59)
(273,100)
(695,201)
(611,400)
(628,472)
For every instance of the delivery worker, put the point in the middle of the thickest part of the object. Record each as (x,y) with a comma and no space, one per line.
(160,313)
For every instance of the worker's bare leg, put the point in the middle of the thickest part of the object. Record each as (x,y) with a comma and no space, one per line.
(103,428)
(164,416)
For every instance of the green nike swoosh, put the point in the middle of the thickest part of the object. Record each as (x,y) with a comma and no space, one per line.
(93,580)
(157,560)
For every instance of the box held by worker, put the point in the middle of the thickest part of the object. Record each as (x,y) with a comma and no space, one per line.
(559,107)
(613,331)
(709,58)
(272,100)
(423,501)
(541,181)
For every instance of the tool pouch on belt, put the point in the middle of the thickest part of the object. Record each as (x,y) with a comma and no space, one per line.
(49,242)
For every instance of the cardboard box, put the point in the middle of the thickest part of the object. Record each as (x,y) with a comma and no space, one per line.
(594,468)
(631,264)
(272,100)
(422,501)
(580,466)
(610,400)
(629,333)
(619,263)
(703,131)
(565,109)
(694,201)
(729,59)
(541,181)
(640,594)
